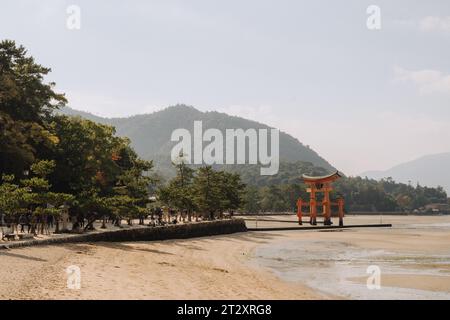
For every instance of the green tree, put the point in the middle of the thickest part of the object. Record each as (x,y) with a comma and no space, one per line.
(231,191)
(26,104)
(39,199)
(207,192)
(252,200)
(12,196)
(92,163)
(178,193)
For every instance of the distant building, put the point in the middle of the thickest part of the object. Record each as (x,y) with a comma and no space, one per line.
(437,207)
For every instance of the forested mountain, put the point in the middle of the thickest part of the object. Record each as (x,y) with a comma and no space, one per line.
(150,134)
(49,161)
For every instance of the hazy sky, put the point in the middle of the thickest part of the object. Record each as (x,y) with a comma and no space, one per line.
(364,99)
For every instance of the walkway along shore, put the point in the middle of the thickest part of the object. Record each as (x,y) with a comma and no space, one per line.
(179,231)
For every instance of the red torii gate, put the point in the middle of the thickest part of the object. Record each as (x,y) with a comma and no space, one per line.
(320,184)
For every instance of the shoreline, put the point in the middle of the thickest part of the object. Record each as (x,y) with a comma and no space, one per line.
(413,259)
(137,233)
(203,268)
(235,266)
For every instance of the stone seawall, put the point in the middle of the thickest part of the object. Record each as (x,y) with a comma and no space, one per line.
(180,231)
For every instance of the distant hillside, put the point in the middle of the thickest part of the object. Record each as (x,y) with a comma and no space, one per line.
(430,170)
(86,115)
(150,133)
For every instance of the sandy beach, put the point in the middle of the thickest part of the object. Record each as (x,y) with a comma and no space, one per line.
(414,257)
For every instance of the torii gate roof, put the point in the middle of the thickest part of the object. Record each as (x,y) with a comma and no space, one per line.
(320,179)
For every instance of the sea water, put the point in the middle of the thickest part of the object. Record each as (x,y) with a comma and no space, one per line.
(331,268)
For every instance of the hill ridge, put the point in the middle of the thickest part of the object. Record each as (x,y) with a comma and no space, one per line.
(150,132)
(429,170)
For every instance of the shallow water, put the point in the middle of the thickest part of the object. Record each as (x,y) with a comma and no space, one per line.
(331,267)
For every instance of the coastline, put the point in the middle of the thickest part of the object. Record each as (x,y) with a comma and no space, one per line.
(413,259)
(234,266)
(202,268)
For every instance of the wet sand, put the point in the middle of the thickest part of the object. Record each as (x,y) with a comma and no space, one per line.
(413,257)
(204,268)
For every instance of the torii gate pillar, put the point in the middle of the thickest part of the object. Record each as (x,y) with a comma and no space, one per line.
(316,185)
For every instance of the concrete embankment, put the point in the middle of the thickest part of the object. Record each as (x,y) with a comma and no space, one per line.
(180,231)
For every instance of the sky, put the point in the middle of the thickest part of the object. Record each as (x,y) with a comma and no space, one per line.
(364,99)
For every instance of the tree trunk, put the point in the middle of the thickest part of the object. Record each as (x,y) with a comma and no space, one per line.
(103,222)
(57,225)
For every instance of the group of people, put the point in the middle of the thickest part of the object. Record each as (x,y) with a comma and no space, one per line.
(160,216)
(28,223)
(47,224)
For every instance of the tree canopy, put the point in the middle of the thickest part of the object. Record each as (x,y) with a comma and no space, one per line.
(48,160)
(26,106)
(208,191)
